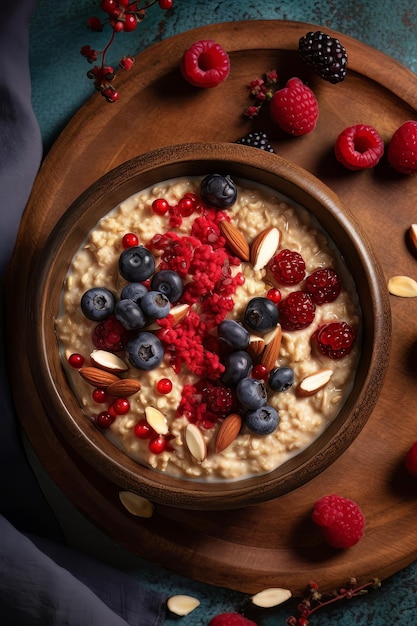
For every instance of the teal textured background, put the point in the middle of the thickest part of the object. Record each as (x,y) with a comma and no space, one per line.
(60,87)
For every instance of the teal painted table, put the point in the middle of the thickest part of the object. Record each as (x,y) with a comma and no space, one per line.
(60,88)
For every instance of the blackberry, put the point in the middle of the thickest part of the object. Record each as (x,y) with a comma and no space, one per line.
(256,140)
(325,55)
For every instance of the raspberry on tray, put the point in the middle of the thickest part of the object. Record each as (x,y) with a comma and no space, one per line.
(341,520)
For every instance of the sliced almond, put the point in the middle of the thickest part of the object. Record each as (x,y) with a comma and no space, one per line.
(195,442)
(156,420)
(255,347)
(413,237)
(135,504)
(402,286)
(124,387)
(270,354)
(228,431)
(182,604)
(235,239)
(271,597)
(98,377)
(312,383)
(178,313)
(108,361)
(264,246)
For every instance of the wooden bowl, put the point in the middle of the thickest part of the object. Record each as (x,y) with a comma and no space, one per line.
(243,162)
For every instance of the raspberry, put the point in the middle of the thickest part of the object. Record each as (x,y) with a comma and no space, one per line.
(325,55)
(294,108)
(411,460)
(256,140)
(323,285)
(230,619)
(402,149)
(205,64)
(335,339)
(341,519)
(296,311)
(359,147)
(288,267)
(110,335)
(220,400)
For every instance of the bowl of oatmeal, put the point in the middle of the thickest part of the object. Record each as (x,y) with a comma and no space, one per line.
(212,326)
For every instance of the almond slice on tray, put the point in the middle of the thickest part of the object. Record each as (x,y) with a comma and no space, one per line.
(135,504)
(402,286)
(264,246)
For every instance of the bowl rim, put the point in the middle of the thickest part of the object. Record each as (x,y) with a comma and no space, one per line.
(245,163)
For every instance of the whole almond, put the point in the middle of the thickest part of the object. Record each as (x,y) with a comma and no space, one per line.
(97,377)
(312,383)
(270,353)
(264,246)
(402,286)
(135,504)
(228,431)
(255,347)
(124,387)
(235,239)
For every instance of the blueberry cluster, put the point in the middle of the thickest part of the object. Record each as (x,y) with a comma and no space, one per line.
(261,316)
(137,306)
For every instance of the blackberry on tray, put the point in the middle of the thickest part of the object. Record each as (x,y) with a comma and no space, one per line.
(256,140)
(325,54)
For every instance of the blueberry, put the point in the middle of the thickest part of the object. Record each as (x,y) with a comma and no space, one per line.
(133,291)
(238,365)
(145,351)
(251,393)
(169,283)
(281,378)
(97,303)
(129,314)
(136,264)
(261,315)
(155,305)
(262,421)
(218,191)
(234,334)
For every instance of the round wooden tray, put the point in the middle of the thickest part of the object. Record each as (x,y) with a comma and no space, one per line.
(272,544)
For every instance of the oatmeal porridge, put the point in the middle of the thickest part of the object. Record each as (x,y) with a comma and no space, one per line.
(233,347)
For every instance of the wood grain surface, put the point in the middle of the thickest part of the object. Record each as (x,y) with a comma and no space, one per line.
(272,544)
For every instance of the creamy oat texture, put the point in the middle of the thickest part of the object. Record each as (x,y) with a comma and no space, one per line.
(302,420)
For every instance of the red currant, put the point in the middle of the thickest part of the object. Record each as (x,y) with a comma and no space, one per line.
(164,385)
(94,24)
(130,240)
(274,295)
(259,372)
(165,4)
(142,430)
(108,5)
(104,419)
(126,63)
(121,406)
(99,396)
(130,23)
(186,207)
(123,3)
(158,444)
(76,360)
(160,206)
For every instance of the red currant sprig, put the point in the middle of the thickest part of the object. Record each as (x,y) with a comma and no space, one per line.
(122,16)
(261,90)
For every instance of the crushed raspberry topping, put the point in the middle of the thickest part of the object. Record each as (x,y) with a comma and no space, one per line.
(206,403)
